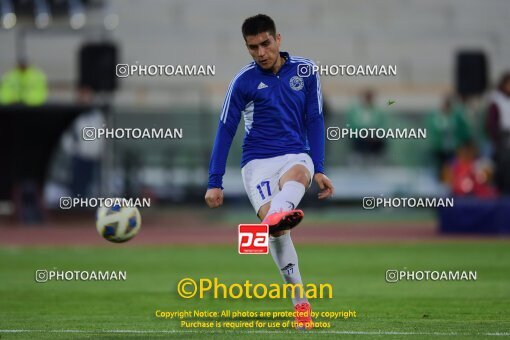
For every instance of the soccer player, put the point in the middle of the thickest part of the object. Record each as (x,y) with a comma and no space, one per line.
(283,148)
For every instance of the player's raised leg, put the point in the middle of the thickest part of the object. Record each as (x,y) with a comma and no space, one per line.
(281,214)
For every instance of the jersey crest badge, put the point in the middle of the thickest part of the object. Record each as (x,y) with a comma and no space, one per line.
(296,83)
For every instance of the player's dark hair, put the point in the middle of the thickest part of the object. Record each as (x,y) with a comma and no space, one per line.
(259,23)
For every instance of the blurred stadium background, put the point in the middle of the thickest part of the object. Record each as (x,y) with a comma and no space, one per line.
(57,64)
(442,49)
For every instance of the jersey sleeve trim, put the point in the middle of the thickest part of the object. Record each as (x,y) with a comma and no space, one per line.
(226,103)
(301,60)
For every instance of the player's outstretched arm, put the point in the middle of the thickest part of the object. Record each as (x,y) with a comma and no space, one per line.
(325,184)
(214,197)
(316,136)
(227,127)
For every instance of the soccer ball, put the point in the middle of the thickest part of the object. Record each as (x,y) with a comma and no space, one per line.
(118,224)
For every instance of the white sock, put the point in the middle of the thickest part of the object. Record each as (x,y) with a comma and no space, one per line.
(288,198)
(285,256)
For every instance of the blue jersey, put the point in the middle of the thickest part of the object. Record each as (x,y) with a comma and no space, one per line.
(282,115)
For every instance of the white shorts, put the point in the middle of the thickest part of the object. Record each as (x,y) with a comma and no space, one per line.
(261,176)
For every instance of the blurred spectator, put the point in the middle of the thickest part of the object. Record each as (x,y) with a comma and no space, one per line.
(498,129)
(85,154)
(366,115)
(447,129)
(475,109)
(25,84)
(469,175)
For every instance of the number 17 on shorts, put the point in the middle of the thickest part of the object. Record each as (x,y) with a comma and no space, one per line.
(253,239)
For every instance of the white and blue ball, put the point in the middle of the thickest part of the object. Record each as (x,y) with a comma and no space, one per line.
(118,224)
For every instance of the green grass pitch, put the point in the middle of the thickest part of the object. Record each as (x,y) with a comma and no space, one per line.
(125,309)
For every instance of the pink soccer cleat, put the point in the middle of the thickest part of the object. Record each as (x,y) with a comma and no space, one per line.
(303,316)
(283,220)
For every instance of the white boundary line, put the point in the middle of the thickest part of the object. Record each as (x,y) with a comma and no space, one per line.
(170,331)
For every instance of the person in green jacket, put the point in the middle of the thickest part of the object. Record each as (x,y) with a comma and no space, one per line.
(447,129)
(25,84)
(365,115)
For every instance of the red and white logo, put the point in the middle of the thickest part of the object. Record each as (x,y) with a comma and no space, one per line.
(253,239)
